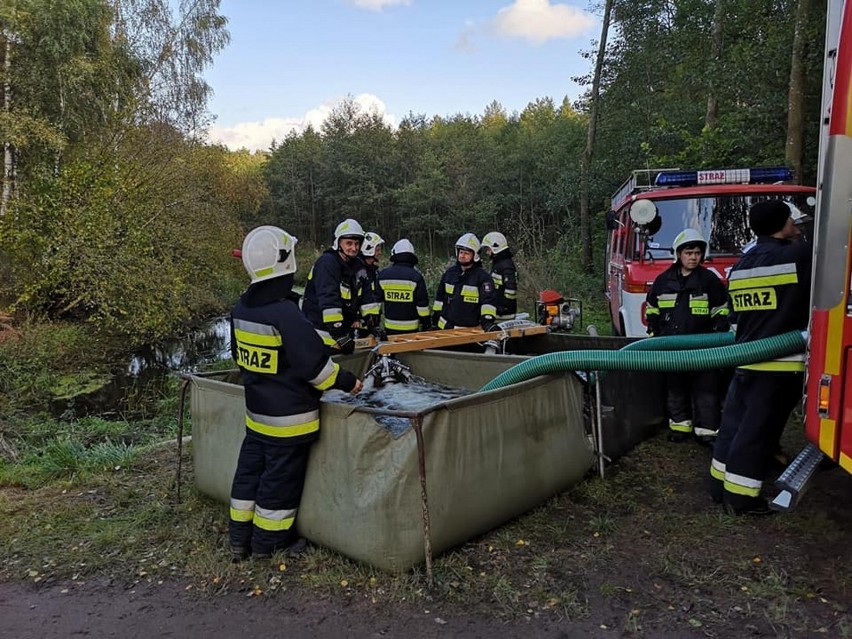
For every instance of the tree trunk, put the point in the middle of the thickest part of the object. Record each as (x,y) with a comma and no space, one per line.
(795,101)
(712,114)
(8,151)
(586,256)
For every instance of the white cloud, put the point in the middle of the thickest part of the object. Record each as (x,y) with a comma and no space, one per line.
(539,21)
(378,5)
(258,136)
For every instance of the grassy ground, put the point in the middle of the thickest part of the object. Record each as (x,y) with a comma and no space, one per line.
(642,551)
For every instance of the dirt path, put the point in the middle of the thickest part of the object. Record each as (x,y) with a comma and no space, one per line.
(97,610)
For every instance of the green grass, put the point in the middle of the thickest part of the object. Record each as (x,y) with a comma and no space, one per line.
(598,541)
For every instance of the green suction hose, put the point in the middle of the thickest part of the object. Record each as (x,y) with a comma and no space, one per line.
(681,342)
(657,361)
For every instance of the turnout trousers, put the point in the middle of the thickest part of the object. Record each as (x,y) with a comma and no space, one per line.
(265,494)
(756,410)
(693,402)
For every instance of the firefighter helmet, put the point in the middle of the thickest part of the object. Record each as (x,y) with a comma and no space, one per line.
(402,246)
(496,241)
(371,242)
(688,237)
(269,252)
(347,228)
(469,242)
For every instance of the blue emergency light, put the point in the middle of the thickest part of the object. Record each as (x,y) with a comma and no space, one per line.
(758,175)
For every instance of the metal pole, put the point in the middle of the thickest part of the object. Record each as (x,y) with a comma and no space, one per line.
(599,426)
(417,422)
(183,386)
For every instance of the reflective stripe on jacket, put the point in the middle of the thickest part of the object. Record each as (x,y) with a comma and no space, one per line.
(464,298)
(770,290)
(337,295)
(678,305)
(284,367)
(404,297)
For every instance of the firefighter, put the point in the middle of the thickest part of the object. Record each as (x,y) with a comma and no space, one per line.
(465,295)
(504,274)
(770,289)
(403,292)
(685,299)
(371,251)
(337,298)
(285,370)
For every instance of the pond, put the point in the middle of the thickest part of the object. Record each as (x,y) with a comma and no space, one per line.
(142,381)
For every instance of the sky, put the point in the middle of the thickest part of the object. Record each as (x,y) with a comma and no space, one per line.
(290,62)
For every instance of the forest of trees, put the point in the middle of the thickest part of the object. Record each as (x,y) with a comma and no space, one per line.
(116,212)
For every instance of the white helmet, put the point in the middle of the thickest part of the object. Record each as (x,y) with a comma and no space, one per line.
(470,242)
(496,241)
(402,246)
(269,252)
(371,241)
(689,236)
(347,228)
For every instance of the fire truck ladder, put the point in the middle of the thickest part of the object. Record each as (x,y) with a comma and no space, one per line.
(794,480)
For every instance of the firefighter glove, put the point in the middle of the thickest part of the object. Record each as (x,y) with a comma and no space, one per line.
(346,344)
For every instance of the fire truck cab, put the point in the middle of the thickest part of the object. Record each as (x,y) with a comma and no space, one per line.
(654,205)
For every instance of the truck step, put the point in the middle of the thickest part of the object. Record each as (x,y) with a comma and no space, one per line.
(794,480)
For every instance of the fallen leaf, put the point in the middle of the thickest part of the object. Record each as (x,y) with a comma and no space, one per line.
(344,583)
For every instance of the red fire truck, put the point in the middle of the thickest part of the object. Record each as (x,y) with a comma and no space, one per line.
(654,205)
(828,407)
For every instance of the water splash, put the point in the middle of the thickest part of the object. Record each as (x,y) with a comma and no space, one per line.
(414,396)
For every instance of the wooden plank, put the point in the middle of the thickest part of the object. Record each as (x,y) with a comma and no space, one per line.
(445,338)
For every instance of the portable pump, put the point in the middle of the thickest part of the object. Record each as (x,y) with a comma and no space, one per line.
(553,310)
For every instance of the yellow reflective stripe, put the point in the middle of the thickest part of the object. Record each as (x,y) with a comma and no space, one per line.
(509,294)
(651,310)
(488,309)
(762,282)
(468,291)
(373,308)
(448,288)
(740,485)
(326,337)
(423,311)
(442,323)
(498,279)
(699,303)
(717,470)
(681,427)
(438,306)
(241,509)
(345,293)
(256,339)
(241,515)
(401,325)
(274,520)
(777,366)
(282,428)
(256,333)
(720,310)
(330,315)
(327,376)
